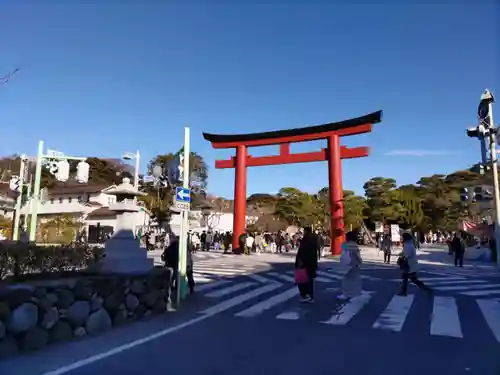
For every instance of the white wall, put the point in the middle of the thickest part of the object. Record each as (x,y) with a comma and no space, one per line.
(220,223)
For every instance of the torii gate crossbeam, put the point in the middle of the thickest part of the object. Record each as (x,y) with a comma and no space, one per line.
(333,153)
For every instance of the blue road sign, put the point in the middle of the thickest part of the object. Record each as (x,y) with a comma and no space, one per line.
(182,195)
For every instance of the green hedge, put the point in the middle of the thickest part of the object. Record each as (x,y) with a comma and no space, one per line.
(17,259)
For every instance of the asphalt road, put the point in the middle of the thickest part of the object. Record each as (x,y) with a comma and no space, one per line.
(263,329)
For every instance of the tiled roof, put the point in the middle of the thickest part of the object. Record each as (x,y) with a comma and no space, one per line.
(76,188)
(101,212)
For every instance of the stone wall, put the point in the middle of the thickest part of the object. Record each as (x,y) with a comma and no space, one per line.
(34,317)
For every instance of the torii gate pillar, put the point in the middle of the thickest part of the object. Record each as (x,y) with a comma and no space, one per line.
(336,194)
(240,196)
(333,153)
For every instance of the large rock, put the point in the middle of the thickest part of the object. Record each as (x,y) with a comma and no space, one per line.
(98,321)
(114,300)
(160,277)
(50,318)
(120,318)
(4,311)
(78,313)
(52,297)
(17,297)
(8,347)
(131,301)
(160,306)
(23,318)
(61,332)
(45,304)
(3,330)
(137,286)
(150,298)
(96,303)
(83,292)
(79,332)
(35,339)
(40,292)
(65,299)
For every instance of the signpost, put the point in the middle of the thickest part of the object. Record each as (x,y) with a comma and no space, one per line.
(182,202)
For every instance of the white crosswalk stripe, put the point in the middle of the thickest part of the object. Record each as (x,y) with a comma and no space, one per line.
(445,320)
(461,285)
(271,299)
(394,316)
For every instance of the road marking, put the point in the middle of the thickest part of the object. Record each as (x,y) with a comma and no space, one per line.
(445,320)
(331,274)
(329,277)
(280,276)
(215,271)
(212,285)
(456,282)
(425,279)
(318,279)
(95,358)
(491,313)
(394,316)
(201,279)
(465,287)
(260,279)
(350,309)
(262,306)
(225,305)
(289,315)
(480,293)
(229,290)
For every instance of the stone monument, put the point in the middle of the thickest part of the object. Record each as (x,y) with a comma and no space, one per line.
(123,253)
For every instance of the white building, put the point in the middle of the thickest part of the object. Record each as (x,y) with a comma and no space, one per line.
(85,203)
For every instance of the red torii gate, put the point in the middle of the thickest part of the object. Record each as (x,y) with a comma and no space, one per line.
(333,154)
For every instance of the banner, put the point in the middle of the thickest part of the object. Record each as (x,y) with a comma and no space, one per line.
(395,237)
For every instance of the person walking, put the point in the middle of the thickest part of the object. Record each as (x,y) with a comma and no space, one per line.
(351,259)
(386,247)
(458,248)
(408,263)
(306,261)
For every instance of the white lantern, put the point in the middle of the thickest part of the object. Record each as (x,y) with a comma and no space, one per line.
(62,173)
(82,172)
(15,184)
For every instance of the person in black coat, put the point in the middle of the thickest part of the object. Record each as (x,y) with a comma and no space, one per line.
(307,258)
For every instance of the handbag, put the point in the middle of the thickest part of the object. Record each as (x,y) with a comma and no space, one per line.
(301,276)
(403,263)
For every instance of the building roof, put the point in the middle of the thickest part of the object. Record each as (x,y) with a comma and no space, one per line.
(101,212)
(76,188)
(372,118)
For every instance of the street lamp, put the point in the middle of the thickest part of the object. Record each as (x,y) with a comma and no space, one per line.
(137,158)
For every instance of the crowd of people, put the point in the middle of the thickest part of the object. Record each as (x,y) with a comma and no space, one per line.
(306,265)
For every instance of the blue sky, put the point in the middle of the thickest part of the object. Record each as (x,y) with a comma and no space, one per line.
(120,75)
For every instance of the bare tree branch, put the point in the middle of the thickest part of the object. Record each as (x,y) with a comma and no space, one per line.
(7,78)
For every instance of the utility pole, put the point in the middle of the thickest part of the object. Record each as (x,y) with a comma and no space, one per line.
(486,130)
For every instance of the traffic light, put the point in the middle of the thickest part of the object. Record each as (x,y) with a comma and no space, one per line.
(62,173)
(478,194)
(82,172)
(464,195)
(482,194)
(15,184)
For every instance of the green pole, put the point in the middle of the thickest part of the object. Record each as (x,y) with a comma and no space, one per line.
(28,203)
(181,274)
(17,217)
(36,192)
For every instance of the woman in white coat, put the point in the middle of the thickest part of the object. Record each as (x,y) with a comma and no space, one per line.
(351,259)
(408,263)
